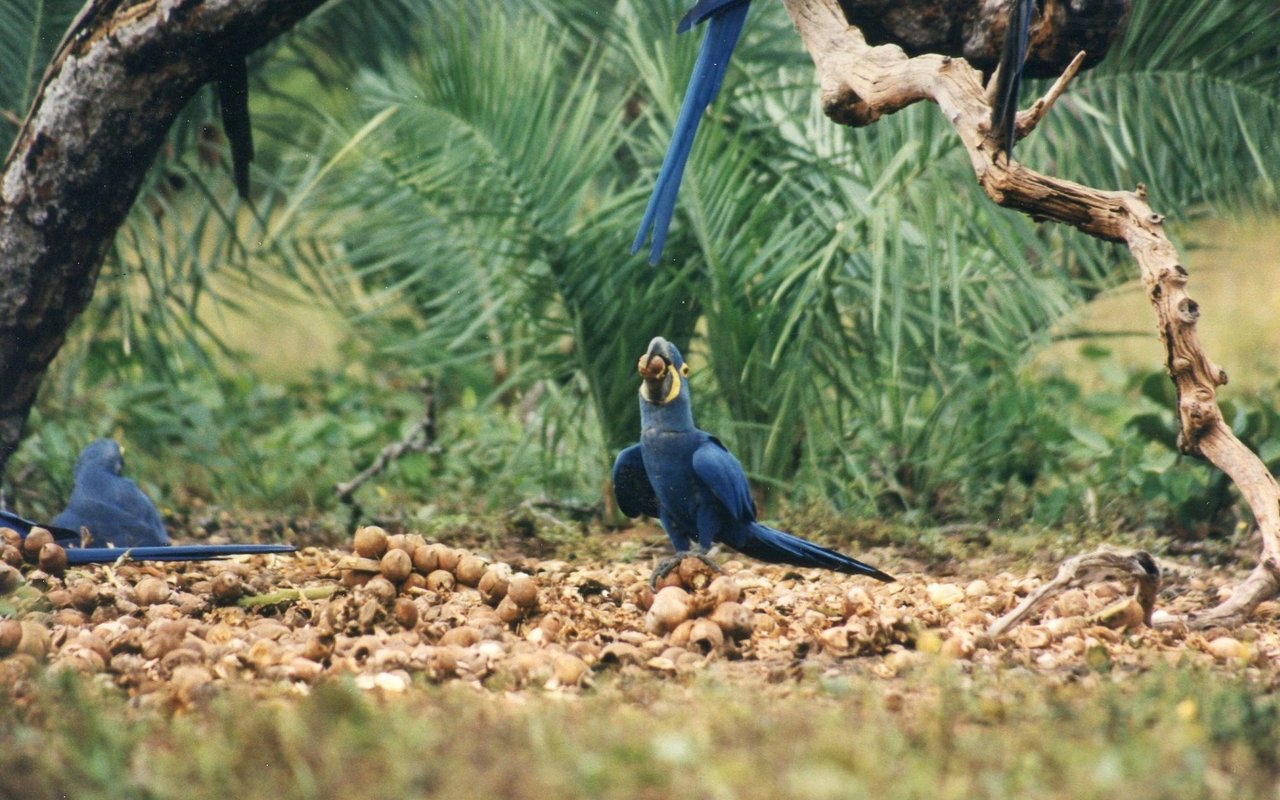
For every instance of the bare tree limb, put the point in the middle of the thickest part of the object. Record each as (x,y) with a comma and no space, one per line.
(860,83)
(419,438)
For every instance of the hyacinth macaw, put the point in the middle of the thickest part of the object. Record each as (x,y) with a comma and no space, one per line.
(1004,107)
(724,24)
(113,515)
(694,486)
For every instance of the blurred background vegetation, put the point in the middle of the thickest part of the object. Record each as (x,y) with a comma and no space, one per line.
(448,190)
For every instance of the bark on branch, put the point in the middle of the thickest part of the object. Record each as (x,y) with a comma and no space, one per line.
(860,83)
(113,88)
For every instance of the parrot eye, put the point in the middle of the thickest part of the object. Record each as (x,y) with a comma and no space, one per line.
(684,370)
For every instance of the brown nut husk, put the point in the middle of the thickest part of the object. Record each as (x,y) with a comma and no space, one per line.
(441,581)
(35,640)
(10,538)
(10,579)
(10,635)
(705,636)
(523,590)
(448,558)
(470,570)
(493,585)
(695,573)
(381,589)
(352,578)
(53,559)
(670,608)
(371,542)
(734,619)
(227,587)
(84,595)
(508,611)
(37,538)
(426,558)
(396,565)
(405,613)
(152,591)
(11,555)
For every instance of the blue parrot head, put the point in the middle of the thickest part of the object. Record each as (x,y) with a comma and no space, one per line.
(663,370)
(101,455)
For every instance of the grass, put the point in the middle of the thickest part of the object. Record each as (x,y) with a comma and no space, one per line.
(936,733)
(1232,265)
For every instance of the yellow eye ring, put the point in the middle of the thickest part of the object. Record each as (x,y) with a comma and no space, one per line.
(684,370)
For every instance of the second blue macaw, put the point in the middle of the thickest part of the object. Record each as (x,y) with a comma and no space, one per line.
(724,24)
(694,486)
(107,508)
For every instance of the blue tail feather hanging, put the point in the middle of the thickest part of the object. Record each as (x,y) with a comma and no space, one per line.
(723,29)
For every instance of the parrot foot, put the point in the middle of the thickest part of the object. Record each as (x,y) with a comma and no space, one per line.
(671,562)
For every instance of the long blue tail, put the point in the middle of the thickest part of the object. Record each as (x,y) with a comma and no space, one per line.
(177,552)
(725,20)
(775,547)
(70,540)
(63,536)
(1004,109)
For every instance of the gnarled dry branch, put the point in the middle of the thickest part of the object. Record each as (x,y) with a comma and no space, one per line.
(860,83)
(1140,567)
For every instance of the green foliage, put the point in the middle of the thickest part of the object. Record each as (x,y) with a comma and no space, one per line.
(463,182)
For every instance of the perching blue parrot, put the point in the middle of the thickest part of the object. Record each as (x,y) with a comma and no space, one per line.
(1004,107)
(697,489)
(114,511)
(724,24)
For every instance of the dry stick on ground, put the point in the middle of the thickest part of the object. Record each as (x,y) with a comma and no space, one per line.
(860,83)
(1138,566)
(420,437)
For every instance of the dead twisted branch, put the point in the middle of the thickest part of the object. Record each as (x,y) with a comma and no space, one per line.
(860,83)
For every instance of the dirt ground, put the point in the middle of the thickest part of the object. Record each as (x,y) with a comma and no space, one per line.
(404,608)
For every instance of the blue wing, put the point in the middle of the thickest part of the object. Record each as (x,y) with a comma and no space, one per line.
(631,487)
(723,28)
(724,476)
(1004,109)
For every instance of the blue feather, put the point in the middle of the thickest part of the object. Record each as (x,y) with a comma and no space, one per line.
(177,552)
(725,21)
(1004,109)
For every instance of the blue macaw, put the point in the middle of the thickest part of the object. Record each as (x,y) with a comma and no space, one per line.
(112,509)
(110,506)
(1004,107)
(694,486)
(724,24)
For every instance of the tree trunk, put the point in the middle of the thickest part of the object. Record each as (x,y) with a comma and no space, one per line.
(113,88)
(861,82)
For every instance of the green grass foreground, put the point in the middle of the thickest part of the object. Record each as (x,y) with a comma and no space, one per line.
(934,734)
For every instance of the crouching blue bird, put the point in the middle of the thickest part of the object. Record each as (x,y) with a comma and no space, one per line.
(725,19)
(694,486)
(108,515)
(108,505)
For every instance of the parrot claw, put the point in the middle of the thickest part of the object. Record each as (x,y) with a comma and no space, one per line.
(666,565)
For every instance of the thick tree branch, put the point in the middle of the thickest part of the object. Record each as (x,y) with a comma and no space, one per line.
(113,88)
(860,83)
